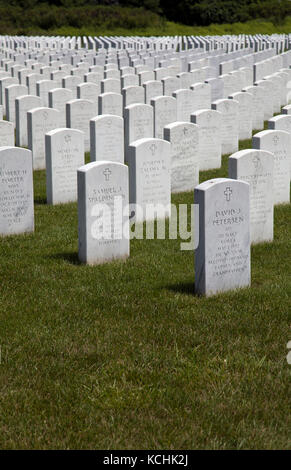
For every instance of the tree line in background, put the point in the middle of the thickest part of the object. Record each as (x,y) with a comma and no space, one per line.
(24,16)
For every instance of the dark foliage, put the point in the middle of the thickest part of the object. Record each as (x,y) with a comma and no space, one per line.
(17,16)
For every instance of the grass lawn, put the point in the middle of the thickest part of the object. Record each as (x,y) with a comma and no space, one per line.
(169,28)
(125,356)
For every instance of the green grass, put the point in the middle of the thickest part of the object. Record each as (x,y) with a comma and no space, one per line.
(169,28)
(125,356)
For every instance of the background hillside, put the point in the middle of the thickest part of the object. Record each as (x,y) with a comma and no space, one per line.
(148,17)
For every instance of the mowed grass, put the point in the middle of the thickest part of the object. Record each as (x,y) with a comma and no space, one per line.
(126,356)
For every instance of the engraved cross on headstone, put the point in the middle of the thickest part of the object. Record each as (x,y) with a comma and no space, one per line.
(256,161)
(228,193)
(107,174)
(153,148)
(276,139)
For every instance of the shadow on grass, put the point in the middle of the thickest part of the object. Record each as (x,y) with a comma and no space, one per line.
(71,257)
(187,288)
(40,200)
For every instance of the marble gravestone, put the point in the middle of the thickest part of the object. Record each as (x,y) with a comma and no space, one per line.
(202,96)
(5,82)
(64,151)
(185,104)
(165,112)
(170,85)
(11,93)
(110,103)
(132,95)
(229,110)
(268,87)
(110,85)
(42,89)
(281,122)
(79,113)
(16,191)
(150,177)
(278,143)
(107,138)
(58,97)
(88,91)
(22,105)
(276,95)
(39,122)
(209,130)
(1,113)
(183,137)
(6,134)
(71,82)
(217,88)
(245,103)
(153,88)
(256,167)
(222,256)
(258,113)
(286,109)
(138,124)
(103,218)
(129,80)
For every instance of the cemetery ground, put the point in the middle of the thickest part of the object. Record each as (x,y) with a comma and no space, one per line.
(126,356)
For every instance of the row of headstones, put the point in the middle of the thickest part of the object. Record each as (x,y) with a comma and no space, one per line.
(110,78)
(219,133)
(58,72)
(232,213)
(59,97)
(113,103)
(257,42)
(155,165)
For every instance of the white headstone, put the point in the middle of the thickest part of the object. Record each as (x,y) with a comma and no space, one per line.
(22,105)
(185,104)
(11,93)
(5,82)
(79,113)
(170,85)
(257,114)
(229,110)
(183,137)
(245,103)
(277,142)
(39,122)
(16,191)
(110,103)
(165,112)
(150,177)
(58,97)
(222,256)
(64,155)
(281,122)
(42,89)
(209,129)
(107,138)
(110,85)
(102,215)
(132,95)
(88,91)
(286,109)
(6,134)
(202,96)
(153,89)
(138,123)
(256,167)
